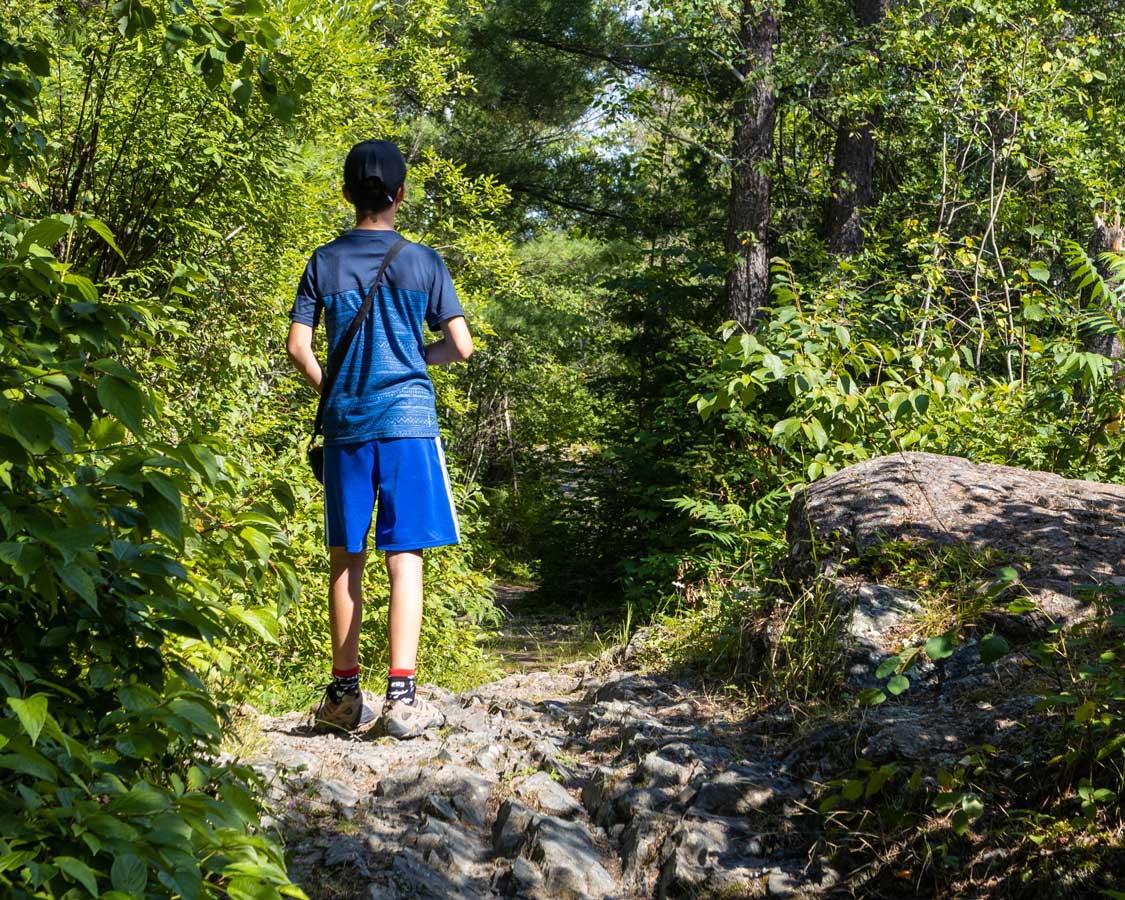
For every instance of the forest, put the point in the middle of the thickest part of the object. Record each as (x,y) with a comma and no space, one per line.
(712,252)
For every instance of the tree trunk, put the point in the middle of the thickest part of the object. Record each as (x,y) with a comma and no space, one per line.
(1104,238)
(853,161)
(754,113)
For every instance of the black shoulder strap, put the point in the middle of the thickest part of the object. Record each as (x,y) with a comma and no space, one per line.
(341,352)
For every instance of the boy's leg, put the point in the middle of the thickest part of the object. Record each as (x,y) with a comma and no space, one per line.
(349,495)
(404,568)
(415,512)
(404,622)
(405,714)
(345,606)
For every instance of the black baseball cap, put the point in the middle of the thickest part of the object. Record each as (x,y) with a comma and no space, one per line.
(374,159)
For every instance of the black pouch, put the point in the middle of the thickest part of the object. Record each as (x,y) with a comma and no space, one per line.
(316,461)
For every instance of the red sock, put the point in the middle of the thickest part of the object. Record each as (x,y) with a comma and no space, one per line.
(344,673)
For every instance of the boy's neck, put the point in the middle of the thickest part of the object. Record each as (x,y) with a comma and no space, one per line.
(384,221)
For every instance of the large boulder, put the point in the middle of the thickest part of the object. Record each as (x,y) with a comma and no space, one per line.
(1069,534)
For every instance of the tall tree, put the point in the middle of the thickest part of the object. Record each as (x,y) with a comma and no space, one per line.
(754,113)
(853,160)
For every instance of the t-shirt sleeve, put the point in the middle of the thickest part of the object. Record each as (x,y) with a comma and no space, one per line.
(306,305)
(443,297)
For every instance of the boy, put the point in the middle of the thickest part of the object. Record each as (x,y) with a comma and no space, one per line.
(381,435)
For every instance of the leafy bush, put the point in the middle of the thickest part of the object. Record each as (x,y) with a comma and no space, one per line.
(108,773)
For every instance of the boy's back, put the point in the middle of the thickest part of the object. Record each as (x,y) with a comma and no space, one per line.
(382,390)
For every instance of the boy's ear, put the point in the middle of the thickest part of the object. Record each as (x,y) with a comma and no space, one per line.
(400,194)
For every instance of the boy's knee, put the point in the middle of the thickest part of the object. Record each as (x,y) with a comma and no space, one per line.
(341,559)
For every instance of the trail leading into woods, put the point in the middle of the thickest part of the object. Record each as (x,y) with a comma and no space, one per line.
(586,781)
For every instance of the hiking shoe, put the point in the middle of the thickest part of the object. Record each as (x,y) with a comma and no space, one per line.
(407,720)
(345,715)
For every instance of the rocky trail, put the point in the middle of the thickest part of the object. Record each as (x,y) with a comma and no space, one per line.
(586,781)
(595,779)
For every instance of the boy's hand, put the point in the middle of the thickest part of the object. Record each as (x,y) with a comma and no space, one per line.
(455,346)
(299,348)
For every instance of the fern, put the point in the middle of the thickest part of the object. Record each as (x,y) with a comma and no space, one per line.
(1104,317)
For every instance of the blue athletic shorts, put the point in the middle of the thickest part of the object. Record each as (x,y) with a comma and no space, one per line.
(406,477)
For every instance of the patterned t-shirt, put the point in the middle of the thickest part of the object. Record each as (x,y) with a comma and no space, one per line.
(383,389)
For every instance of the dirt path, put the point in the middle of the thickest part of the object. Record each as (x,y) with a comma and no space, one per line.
(588,781)
(535,638)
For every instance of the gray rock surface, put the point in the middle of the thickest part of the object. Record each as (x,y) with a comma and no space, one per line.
(680,795)
(879,615)
(1071,533)
(548,795)
(684,793)
(480,810)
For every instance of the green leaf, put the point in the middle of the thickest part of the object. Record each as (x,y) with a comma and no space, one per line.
(31,426)
(78,871)
(871,697)
(37,62)
(30,762)
(32,714)
(44,233)
(102,230)
(773,362)
(972,806)
(940,647)
(1039,271)
(262,621)
(242,91)
(1022,605)
(785,428)
(122,400)
(888,666)
(992,648)
(258,542)
(142,799)
(1084,713)
(960,822)
(283,106)
(853,789)
(817,433)
(163,513)
(202,460)
(85,286)
(196,713)
(898,684)
(129,874)
(177,33)
(78,580)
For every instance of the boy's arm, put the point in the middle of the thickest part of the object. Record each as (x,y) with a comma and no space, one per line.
(455,346)
(299,346)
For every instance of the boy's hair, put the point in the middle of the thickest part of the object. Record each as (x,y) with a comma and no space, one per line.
(371,195)
(373,173)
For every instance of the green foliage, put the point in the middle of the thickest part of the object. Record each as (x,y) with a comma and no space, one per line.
(109,779)
(158,520)
(1054,807)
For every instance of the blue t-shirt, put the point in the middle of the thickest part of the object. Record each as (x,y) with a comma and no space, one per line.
(383,389)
